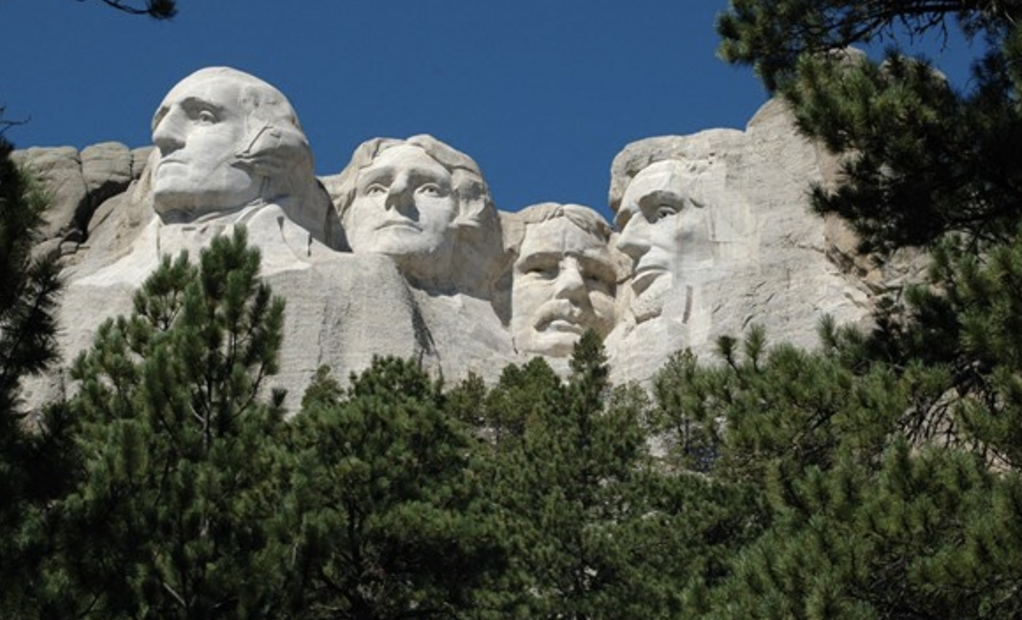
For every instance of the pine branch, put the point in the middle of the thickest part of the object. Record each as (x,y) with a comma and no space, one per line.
(156,9)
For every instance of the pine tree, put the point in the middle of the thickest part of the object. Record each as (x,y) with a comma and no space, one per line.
(28,288)
(36,450)
(595,528)
(156,9)
(885,457)
(927,160)
(172,516)
(851,492)
(383,501)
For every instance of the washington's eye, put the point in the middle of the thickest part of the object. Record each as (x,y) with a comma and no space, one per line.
(206,117)
(663,211)
(428,189)
(375,190)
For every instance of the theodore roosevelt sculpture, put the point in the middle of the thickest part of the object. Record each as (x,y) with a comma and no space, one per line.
(427,207)
(563,278)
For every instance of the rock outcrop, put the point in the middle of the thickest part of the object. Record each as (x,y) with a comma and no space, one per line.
(746,250)
(404,252)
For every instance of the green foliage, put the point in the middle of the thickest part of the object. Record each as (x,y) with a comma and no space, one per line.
(170,518)
(886,458)
(855,490)
(36,454)
(774,35)
(384,501)
(522,395)
(921,159)
(594,529)
(28,288)
(156,9)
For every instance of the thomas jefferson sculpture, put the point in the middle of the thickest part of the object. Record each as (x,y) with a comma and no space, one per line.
(427,207)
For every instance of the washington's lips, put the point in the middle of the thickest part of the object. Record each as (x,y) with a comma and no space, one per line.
(171,161)
(408,224)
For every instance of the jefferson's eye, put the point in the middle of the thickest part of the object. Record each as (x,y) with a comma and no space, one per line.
(375,190)
(541,271)
(428,189)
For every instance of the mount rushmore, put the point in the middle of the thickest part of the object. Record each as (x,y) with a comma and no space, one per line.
(404,251)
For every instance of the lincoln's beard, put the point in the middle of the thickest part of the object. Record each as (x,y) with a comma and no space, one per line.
(649,304)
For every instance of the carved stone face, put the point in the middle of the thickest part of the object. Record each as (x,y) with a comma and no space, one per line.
(404,206)
(663,231)
(563,284)
(198,130)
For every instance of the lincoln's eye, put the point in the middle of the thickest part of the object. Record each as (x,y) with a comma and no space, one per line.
(429,189)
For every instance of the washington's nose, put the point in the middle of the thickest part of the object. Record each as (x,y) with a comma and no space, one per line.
(634,239)
(399,194)
(570,283)
(168,135)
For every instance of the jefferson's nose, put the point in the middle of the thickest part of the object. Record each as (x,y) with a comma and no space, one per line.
(399,195)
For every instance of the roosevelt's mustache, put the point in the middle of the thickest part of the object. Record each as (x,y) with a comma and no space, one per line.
(557,309)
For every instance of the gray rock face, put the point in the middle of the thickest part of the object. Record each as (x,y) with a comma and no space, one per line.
(404,252)
(76,185)
(736,244)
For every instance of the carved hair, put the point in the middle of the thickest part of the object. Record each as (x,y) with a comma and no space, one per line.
(274,142)
(274,147)
(476,227)
(475,206)
(583,217)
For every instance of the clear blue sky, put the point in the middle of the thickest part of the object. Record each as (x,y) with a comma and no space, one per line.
(541,93)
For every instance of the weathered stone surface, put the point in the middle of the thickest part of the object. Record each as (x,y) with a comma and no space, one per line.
(404,252)
(564,277)
(76,184)
(59,170)
(719,229)
(339,313)
(106,169)
(425,205)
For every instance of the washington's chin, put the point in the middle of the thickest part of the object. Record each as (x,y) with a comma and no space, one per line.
(175,194)
(168,200)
